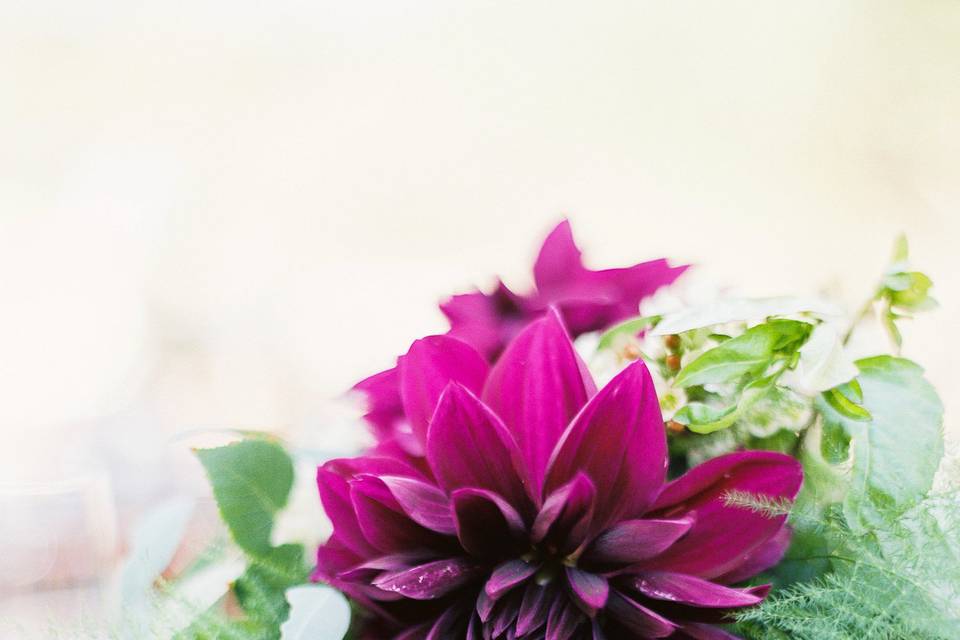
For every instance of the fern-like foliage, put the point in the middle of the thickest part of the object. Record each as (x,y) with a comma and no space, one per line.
(898,581)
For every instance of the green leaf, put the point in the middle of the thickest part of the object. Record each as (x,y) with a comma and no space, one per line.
(702,418)
(260,590)
(251,481)
(749,353)
(844,406)
(895,453)
(915,294)
(627,328)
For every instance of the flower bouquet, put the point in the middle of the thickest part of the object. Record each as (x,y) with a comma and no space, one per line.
(606,458)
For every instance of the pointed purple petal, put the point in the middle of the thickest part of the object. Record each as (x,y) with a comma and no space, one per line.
(536,387)
(619,441)
(469,446)
(631,541)
(637,618)
(452,623)
(567,513)
(507,575)
(563,620)
(589,590)
(760,559)
(559,261)
(335,497)
(393,562)
(383,521)
(381,393)
(427,368)
(424,503)
(690,590)
(486,321)
(506,614)
(431,580)
(487,525)
(534,607)
(724,535)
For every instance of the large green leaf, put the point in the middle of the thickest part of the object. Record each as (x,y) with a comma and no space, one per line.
(251,481)
(895,453)
(749,353)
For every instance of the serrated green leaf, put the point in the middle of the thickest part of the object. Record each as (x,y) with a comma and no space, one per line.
(896,453)
(251,480)
(627,328)
(749,353)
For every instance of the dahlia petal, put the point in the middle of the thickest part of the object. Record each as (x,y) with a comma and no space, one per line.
(563,620)
(479,320)
(506,614)
(566,515)
(383,522)
(723,535)
(698,631)
(335,497)
(597,631)
(637,618)
(474,629)
(760,559)
(424,503)
(427,368)
(559,261)
(589,590)
(534,607)
(697,592)
(418,632)
(486,523)
(631,541)
(507,575)
(371,568)
(485,605)
(449,624)
(469,446)
(618,440)
(536,387)
(384,408)
(430,581)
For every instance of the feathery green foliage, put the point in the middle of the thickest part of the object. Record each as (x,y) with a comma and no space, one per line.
(899,580)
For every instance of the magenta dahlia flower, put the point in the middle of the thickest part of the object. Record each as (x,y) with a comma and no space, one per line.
(587,300)
(541,508)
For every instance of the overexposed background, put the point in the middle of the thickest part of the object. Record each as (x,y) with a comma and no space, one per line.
(224,213)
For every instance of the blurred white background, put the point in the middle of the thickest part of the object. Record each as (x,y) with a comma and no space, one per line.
(224,213)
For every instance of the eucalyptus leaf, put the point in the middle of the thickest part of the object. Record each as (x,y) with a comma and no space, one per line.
(251,481)
(316,613)
(895,453)
(749,353)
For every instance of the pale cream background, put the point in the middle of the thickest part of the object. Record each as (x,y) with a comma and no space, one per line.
(223,213)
